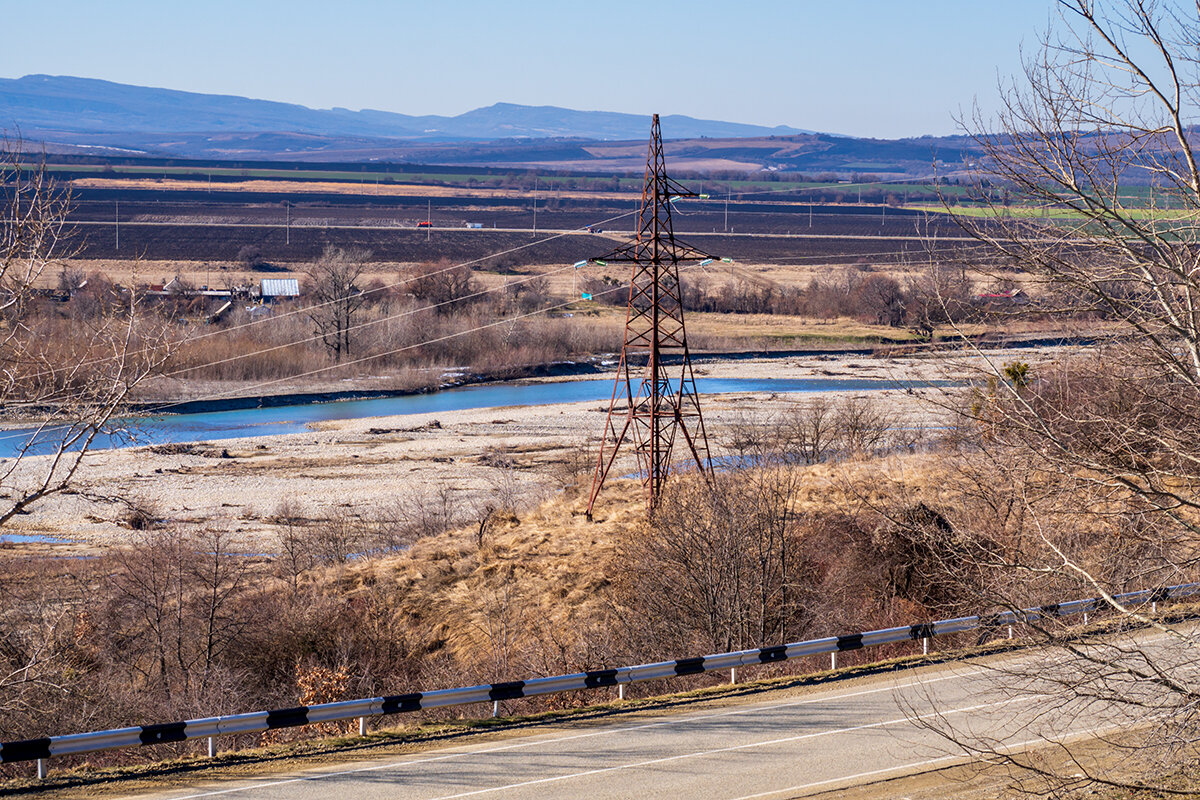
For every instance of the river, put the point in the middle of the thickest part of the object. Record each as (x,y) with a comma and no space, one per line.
(206,426)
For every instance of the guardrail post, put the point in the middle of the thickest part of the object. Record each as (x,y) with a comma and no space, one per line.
(833,660)
(495,708)
(362,726)
(620,691)
(41,769)
(212,747)
(732,675)
(925,646)
(1085,618)
(1010,631)
(1154,606)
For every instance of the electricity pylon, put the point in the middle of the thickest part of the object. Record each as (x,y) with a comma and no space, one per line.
(659,399)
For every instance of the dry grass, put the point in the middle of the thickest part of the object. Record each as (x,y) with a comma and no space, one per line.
(550,572)
(781,328)
(544,573)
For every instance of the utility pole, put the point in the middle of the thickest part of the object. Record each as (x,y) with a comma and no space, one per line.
(727,193)
(428,218)
(535,181)
(117,223)
(287,222)
(651,404)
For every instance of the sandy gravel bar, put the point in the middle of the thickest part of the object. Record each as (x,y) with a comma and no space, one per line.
(384,465)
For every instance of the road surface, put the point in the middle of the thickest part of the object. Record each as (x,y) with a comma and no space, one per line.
(782,747)
(608,233)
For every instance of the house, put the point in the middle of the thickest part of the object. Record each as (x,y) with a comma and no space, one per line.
(275,289)
(216,316)
(177,288)
(1011,297)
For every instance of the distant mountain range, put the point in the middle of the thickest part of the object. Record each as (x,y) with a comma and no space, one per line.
(85,105)
(83,116)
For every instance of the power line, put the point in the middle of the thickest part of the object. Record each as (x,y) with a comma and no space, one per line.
(417,310)
(390,318)
(234,393)
(385,354)
(384,287)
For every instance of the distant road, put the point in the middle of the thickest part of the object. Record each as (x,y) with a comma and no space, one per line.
(531,231)
(788,746)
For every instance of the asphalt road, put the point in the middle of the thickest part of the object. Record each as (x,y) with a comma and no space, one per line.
(838,736)
(546,231)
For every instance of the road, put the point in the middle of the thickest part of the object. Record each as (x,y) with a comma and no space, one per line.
(838,736)
(544,231)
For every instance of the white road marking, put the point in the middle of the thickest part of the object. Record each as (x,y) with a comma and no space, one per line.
(905,769)
(732,748)
(590,734)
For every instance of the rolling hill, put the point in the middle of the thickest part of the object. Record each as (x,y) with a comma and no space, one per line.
(85,105)
(93,117)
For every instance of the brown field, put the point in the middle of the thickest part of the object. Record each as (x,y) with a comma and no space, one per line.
(217,273)
(337,188)
(634,164)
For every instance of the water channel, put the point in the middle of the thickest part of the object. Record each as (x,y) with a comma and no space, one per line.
(207,426)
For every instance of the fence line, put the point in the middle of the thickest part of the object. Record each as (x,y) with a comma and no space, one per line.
(209,727)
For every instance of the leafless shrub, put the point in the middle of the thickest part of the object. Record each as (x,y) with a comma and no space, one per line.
(862,425)
(427,511)
(810,431)
(296,555)
(577,464)
(818,430)
(338,537)
(175,606)
(142,514)
(715,569)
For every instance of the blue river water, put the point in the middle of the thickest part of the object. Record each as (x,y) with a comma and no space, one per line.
(206,426)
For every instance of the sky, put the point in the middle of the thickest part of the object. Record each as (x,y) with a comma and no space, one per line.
(880,68)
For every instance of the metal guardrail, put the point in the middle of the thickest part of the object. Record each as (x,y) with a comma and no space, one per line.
(209,727)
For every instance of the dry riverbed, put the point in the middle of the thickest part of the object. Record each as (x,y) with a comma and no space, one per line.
(395,467)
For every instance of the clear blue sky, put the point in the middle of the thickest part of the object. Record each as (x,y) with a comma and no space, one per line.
(863,67)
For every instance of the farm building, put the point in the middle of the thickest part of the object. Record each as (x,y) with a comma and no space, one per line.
(273,289)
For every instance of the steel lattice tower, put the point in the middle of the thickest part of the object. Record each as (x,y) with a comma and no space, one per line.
(660,399)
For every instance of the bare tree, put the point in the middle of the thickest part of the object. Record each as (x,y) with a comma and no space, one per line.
(445,286)
(336,297)
(1083,475)
(72,377)
(937,297)
(882,298)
